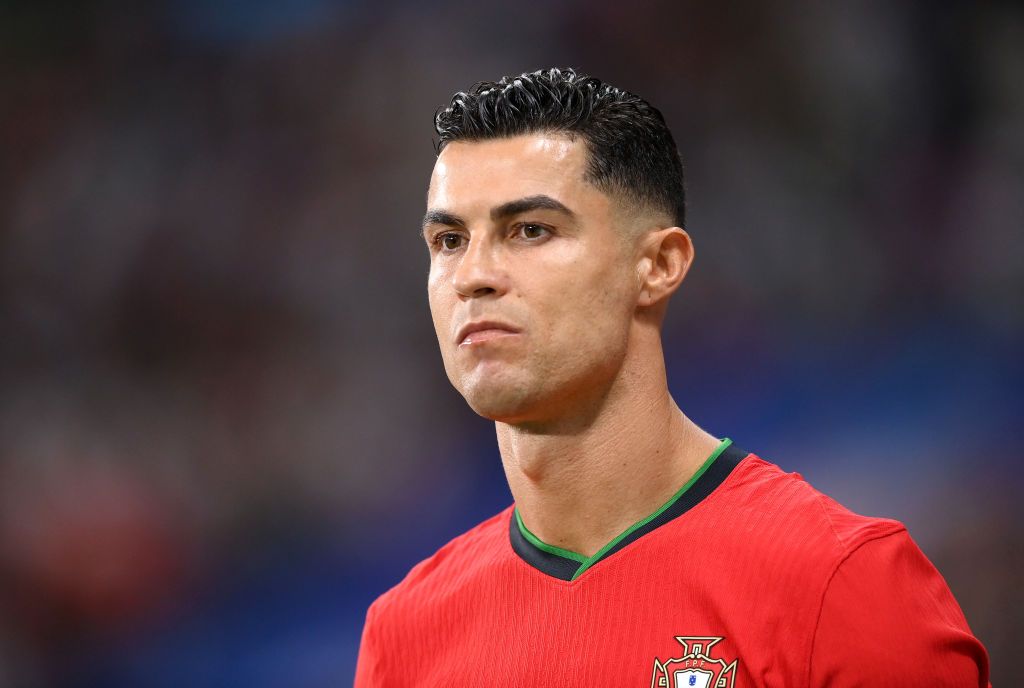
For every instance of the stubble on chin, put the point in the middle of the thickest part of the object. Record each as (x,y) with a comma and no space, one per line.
(497,399)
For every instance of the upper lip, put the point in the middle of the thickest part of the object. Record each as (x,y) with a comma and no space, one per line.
(470,328)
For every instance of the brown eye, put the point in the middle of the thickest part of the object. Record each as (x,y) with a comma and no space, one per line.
(450,241)
(532,231)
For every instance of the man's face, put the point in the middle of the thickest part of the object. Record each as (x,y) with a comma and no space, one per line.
(520,240)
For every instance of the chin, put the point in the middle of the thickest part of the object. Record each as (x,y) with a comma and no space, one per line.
(502,402)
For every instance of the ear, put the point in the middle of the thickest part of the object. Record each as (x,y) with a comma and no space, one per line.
(665,257)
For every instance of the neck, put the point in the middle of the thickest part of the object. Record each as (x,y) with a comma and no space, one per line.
(581,481)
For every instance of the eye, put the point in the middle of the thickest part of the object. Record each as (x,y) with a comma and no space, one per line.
(448,241)
(529,230)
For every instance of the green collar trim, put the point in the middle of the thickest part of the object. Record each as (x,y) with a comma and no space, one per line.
(586,562)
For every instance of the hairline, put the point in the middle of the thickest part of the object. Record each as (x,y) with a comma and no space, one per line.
(627,204)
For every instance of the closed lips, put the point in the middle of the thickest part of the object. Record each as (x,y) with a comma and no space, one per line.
(483,325)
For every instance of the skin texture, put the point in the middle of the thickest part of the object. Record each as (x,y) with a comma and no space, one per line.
(590,439)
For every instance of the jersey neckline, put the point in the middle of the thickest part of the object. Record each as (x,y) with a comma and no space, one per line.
(568,566)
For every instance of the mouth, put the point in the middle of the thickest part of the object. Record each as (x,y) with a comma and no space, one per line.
(484,331)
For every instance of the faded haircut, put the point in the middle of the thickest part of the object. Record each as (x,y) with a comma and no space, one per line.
(630,150)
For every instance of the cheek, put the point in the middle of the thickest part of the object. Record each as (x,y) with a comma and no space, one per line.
(435,295)
(608,294)
(593,311)
(440,314)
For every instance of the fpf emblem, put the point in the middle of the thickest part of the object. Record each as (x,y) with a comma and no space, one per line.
(697,668)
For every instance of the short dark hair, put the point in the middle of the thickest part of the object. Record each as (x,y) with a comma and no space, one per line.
(631,151)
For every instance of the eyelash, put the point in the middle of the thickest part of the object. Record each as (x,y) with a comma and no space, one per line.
(438,239)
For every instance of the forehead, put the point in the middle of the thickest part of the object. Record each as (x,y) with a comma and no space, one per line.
(494,171)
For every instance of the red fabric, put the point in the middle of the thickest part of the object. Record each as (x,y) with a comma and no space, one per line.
(801,591)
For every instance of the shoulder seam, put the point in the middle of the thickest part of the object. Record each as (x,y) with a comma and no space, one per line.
(820,497)
(828,519)
(899,528)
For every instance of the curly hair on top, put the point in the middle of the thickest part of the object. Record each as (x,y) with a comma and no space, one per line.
(630,149)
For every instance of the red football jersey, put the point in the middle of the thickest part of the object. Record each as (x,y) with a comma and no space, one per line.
(747,577)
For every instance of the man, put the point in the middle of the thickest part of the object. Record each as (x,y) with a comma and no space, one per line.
(641,550)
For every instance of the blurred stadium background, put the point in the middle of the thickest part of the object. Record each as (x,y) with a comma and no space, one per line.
(224,424)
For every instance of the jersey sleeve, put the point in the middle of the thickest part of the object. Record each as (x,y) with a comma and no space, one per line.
(370,663)
(888,618)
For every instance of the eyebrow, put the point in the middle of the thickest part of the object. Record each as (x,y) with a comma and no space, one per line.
(442,217)
(525,205)
(520,205)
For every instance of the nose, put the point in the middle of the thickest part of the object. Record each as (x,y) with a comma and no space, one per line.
(480,271)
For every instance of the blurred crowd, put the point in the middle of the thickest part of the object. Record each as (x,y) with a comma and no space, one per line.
(224,424)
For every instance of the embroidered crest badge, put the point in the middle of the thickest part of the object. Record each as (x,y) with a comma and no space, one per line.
(696,668)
